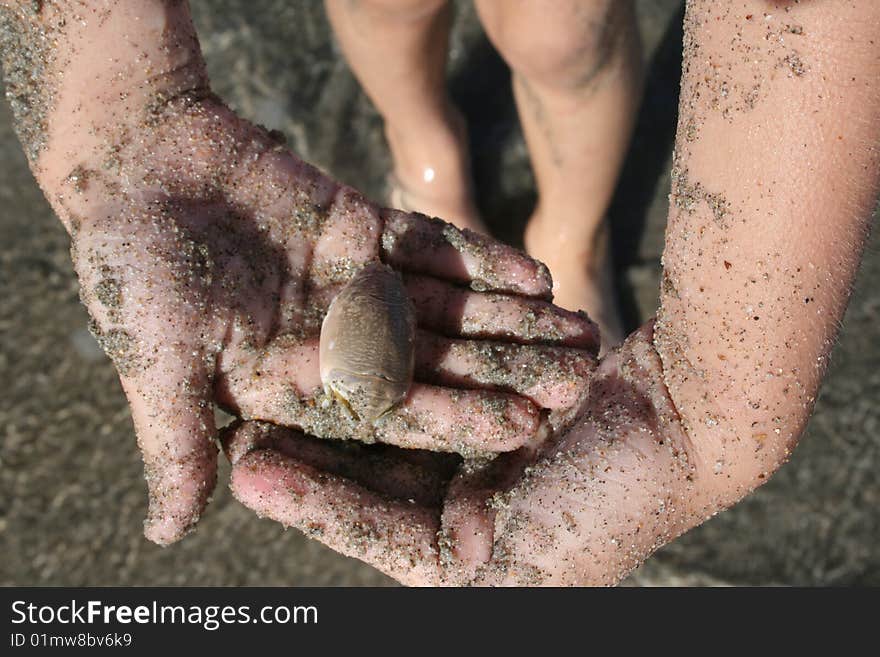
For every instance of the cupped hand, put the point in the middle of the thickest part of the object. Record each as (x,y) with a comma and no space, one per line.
(583,502)
(208,254)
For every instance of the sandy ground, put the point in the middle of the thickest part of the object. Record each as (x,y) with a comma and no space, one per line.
(72,495)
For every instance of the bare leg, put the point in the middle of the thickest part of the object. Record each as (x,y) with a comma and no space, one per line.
(397,49)
(577,81)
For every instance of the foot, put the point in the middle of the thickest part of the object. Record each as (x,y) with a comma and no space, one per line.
(432,173)
(583,278)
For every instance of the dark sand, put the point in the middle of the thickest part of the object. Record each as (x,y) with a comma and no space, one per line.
(72,494)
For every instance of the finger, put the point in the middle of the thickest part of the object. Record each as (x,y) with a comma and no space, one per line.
(472,499)
(468,422)
(397,537)
(175,429)
(382,469)
(413,242)
(348,240)
(283,386)
(455,311)
(552,377)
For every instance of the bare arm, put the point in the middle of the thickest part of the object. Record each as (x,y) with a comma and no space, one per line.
(775,181)
(82,75)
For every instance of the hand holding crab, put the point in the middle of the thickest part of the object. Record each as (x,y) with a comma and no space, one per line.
(214,290)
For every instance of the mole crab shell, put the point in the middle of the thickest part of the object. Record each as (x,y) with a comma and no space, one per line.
(367,346)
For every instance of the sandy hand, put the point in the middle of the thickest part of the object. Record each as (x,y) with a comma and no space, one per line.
(583,502)
(208,255)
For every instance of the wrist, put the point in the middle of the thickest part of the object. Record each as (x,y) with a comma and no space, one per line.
(97,71)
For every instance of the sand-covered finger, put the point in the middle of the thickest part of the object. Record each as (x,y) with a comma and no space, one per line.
(459,312)
(397,537)
(413,242)
(552,377)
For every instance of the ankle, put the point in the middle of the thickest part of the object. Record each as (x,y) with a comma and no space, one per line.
(568,242)
(432,153)
(582,269)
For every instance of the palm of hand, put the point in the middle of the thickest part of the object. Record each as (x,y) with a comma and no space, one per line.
(582,502)
(207,256)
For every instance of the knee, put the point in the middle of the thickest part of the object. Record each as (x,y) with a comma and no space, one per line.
(564,45)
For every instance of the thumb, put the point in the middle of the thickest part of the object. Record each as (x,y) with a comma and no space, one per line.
(174,422)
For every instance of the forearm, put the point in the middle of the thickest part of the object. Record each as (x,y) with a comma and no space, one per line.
(79,73)
(775,180)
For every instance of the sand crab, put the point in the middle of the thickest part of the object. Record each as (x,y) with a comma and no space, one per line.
(367,347)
